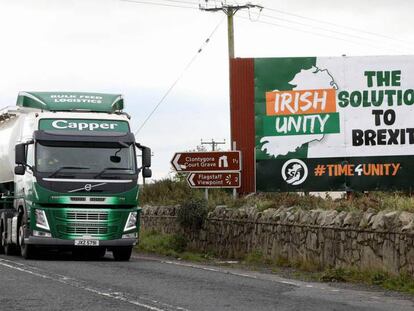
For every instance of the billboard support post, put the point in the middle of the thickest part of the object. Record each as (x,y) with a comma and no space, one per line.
(234,147)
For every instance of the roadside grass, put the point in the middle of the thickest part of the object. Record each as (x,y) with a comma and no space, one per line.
(171,245)
(309,271)
(176,246)
(176,191)
(401,283)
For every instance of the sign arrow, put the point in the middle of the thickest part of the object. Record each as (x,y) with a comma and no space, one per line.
(191,180)
(174,162)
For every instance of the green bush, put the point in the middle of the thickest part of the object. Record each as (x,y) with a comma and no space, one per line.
(164,192)
(192,213)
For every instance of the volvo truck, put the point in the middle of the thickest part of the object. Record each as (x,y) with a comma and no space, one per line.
(69,175)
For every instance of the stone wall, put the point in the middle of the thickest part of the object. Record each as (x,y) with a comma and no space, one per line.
(367,240)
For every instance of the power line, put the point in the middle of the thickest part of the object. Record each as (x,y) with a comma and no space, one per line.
(213,143)
(161,4)
(338,25)
(407,44)
(182,1)
(314,33)
(322,28)
(179,77)
(364,40)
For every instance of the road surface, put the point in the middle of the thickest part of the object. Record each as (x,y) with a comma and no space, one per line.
(58,282)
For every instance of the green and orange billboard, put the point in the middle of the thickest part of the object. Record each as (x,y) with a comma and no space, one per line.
(330,123)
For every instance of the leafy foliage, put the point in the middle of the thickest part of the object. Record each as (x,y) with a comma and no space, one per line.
(192,213)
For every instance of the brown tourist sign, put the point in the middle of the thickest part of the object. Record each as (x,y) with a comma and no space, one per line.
(214,180)
(214,161)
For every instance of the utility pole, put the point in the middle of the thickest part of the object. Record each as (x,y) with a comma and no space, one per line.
(213,144)
(230,10)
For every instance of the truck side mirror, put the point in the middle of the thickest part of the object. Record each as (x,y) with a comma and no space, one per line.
(20,154)
(19,170)
(146,172)
(146,157)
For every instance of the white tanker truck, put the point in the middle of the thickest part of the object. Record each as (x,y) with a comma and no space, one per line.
(68,175)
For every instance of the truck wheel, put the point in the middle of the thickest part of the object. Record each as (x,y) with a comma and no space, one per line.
(26,250)
(1,238)
(9,249)
(98,253)
(122,253)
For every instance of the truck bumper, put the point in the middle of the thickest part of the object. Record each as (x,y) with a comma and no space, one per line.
(60,242)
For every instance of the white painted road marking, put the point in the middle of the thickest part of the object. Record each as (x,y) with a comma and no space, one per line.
(316,287)
(78,284)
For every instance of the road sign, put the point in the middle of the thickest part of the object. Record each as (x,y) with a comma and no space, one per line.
(214,180)
(215,161)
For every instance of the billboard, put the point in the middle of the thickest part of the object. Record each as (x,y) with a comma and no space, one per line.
(334,123)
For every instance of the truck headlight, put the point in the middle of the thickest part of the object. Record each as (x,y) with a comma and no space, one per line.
(131,222)
(41,219)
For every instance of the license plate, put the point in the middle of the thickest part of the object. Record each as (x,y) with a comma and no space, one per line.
(86,242)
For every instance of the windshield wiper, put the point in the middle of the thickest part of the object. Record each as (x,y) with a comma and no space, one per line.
(110,169)
(68,168)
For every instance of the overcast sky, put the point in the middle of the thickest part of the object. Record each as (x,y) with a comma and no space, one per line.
(139,50)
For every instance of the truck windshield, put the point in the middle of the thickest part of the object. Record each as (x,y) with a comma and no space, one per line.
(92,160)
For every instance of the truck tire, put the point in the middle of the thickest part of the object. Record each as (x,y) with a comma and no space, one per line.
(122,253)
(97,253)
(9,249)
(27,251)
(1,237)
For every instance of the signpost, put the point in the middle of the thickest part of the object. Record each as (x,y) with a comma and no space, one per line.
(215,169)
(214,180)
(214,161)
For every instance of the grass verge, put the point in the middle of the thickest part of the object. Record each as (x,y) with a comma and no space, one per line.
(172,245)
(401,283)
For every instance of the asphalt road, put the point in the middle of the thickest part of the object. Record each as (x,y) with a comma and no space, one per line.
(58,282)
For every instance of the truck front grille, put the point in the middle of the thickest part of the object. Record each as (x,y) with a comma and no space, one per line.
(87,215)
(90,200)
(78,199)
(97,199)
(72,223)
(83,229)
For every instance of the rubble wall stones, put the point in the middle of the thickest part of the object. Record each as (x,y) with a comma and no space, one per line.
(367,240)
